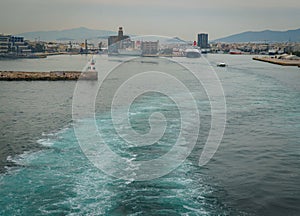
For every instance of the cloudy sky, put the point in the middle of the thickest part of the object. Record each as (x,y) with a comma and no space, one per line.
(183,18)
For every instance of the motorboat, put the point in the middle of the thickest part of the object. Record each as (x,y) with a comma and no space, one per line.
(235,52)
(221,64)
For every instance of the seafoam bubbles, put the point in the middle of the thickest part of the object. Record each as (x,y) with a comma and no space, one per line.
(123,86)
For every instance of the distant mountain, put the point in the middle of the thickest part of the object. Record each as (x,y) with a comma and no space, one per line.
(161,39)
(177,40)
(81,33)
(260,36)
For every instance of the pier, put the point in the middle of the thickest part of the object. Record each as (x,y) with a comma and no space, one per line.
(47,76)
(273,60)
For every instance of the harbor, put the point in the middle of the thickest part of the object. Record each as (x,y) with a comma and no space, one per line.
(149,108)
(40,144)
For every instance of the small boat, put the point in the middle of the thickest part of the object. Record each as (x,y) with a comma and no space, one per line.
(204,51)
(272,51)
(235,52)
(221,64)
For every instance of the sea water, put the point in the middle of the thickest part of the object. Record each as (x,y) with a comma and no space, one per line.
(255,171)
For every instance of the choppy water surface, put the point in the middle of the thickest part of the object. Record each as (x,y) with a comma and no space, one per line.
(256,170)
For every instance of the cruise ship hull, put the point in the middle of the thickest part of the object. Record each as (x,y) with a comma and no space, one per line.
(192,53)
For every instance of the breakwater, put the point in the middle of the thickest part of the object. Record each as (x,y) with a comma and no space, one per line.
(47,76)
(283,62)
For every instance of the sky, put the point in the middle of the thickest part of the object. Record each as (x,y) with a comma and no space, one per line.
(182,18)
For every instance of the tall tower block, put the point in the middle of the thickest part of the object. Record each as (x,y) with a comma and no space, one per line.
(203,40)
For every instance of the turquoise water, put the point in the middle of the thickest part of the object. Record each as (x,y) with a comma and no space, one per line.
(62,181)
(256,170)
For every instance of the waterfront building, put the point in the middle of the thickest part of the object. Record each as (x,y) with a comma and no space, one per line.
(14,44)
(17,40)
(115,42)
(17,44)
(4,43)
(203,41)
(149,47)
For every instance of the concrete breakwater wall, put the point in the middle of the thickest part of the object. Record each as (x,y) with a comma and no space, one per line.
(283,62)
(47,76)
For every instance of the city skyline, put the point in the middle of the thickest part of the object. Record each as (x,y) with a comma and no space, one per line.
(177,18)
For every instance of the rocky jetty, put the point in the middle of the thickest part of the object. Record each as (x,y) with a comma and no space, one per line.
(47,76)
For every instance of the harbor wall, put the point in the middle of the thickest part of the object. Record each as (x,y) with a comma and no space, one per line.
(283,62)
(47,76)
